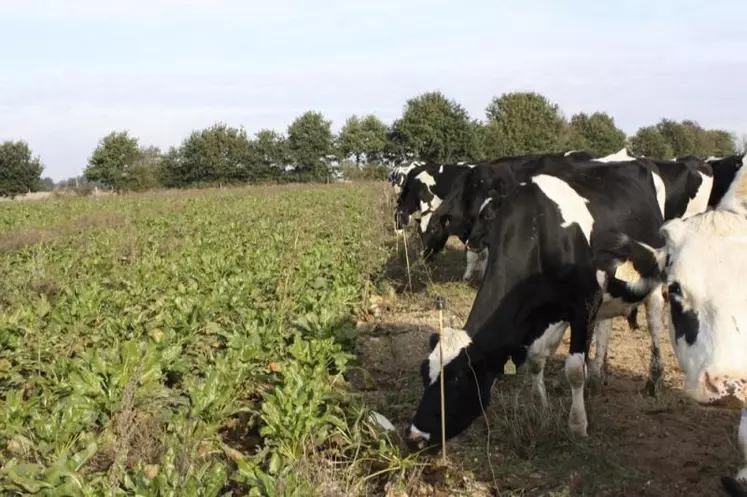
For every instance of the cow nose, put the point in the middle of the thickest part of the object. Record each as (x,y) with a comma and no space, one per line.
(415,439)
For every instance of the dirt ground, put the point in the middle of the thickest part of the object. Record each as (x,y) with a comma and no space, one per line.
(638,445)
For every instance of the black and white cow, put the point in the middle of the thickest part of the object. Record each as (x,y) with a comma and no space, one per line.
(425,188)
(458,211)
(705,266)
(399,174)
(556,258)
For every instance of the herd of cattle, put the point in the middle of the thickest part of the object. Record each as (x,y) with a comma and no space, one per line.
(569,239)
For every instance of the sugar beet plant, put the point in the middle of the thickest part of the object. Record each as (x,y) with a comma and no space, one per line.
(184,344)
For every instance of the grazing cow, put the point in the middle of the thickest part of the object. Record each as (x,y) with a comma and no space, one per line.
(705,266)
(458,212)
(399,174)
(556,258)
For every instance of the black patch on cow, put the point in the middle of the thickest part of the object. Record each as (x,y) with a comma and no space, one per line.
(685,323)
(724,171)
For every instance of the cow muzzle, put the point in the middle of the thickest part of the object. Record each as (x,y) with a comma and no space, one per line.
(416,439)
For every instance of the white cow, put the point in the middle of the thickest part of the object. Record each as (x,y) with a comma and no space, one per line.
(706,267)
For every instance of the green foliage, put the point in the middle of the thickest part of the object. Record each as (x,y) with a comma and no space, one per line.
(218,154)
(20,171)
(523,123)
(434,128)
(363,138)
(722,143)
(113,160)
(268,152)
(649,142)
(596,133)
(159,352)
(46,185)
(310,140)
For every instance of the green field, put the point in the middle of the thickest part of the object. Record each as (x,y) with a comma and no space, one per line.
(188,343)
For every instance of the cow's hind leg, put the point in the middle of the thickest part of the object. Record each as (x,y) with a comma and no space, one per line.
(655,321)
(582,326)
(537,356)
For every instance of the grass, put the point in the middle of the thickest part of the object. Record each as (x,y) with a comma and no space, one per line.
(190,343)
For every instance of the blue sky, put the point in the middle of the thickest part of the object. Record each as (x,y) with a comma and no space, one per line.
(73,70)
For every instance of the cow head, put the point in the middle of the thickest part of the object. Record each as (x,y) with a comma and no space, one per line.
(477,237)
(467,383)
(706,266)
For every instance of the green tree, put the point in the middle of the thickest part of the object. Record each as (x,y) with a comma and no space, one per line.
(217,154)
(682,139)
(649,142)
(269,153)
(46,184)
(363,138)
(434,128)
(20,170)
(112,161)
(596,133)
(146,173)
(310,140)
(722,143)
(523,123)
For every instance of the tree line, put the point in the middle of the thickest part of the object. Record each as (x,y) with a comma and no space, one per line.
(432,127)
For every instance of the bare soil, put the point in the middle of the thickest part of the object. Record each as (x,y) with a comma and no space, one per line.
(637,445)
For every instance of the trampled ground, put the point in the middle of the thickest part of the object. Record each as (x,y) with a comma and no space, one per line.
(637,445)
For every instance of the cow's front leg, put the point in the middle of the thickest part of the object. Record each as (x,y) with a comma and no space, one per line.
(483,263)
(582,327)
(655,321)
(737,487)
(471,265)
(602,333)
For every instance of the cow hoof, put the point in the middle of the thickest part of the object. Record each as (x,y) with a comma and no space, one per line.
(653,387)
(578,430)
(733,487)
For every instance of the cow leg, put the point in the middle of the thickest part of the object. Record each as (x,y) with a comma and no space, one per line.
(737,487)
(655,321)
(582,326)
(537,355)
(471,264)
(483,263)
(602,332)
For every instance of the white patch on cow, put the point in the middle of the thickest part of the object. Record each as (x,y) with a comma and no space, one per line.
(537,355)
(471,165)
(661,192)
(619,156)
(426,179)
(613,307)
(700,202)
(454,340)
(710,268)
(416,434)
(424,220)
(441,170)
(575,373)
(484,204)
(570,152)
(572,206)
(712,158)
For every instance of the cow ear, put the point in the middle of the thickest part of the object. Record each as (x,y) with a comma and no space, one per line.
(673,232)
